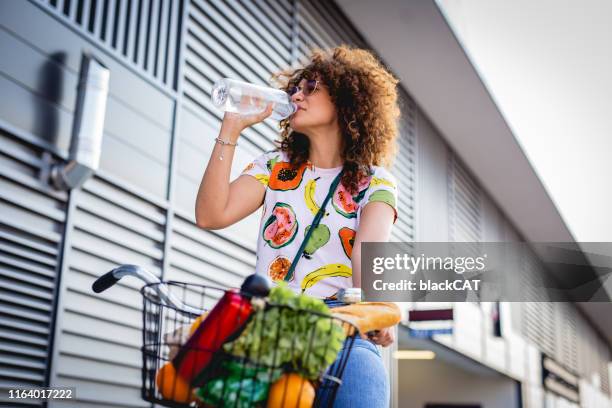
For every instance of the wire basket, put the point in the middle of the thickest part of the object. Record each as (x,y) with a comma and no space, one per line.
(241,373)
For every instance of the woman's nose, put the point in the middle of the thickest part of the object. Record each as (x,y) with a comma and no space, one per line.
(298,96)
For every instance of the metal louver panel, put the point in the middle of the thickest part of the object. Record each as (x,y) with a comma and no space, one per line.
(567,335)
(243,40)
(604,373)
(100,337)
(539,318)
(321,25)
(239,40)
(205,257)
(464,209)
(404,169)
(593,355)
(145,33)
(31,230)
(539,325)
(465,203)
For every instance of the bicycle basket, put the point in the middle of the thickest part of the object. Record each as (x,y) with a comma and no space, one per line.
(255,366)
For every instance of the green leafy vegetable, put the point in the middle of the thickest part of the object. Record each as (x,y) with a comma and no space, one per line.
(286,334)
(240,385)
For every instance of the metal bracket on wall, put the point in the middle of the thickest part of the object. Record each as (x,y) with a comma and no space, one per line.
(88,126)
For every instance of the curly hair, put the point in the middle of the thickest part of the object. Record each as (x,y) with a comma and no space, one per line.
(365,95)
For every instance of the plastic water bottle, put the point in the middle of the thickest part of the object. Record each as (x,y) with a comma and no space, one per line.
(350,295)
(248,99)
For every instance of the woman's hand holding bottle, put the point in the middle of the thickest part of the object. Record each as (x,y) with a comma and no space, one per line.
(249,103)
(220,203)
(234,123)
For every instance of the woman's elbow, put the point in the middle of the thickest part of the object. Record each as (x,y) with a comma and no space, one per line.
(204,225)
(205,222)
(211,221)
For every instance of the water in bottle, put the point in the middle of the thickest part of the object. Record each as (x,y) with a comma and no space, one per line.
(244,98)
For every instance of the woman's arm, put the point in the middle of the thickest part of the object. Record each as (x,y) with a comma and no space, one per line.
(220,203)
(374,226)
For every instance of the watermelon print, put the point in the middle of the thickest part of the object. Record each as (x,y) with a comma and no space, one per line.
(343,202)
(281,226)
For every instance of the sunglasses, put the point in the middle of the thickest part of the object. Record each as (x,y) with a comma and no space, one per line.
(308,88)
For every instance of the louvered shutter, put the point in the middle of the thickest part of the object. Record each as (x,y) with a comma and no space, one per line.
(98,351)
(144,34)
(465,205)
(464,209)
(404,169)
(31,232)
(539,320)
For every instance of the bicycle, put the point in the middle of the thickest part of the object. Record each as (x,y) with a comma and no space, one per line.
(173,312)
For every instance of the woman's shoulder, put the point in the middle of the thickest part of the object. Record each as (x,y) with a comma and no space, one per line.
(274,155)
(381,173)
(382,187)
(268,158)
(261,166)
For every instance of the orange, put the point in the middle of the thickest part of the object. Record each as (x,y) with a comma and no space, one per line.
(291,391)
(172,386)
(279,267)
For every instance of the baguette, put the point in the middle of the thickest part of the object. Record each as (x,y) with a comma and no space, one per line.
(368,316)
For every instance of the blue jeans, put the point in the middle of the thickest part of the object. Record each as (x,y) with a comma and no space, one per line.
(364,380)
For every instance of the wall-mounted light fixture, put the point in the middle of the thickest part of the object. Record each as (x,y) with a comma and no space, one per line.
(88,126)
(414,355)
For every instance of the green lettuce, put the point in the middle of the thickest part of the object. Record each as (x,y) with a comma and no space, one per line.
(285,334)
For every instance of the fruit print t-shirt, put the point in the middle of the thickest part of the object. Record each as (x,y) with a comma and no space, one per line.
(292,199)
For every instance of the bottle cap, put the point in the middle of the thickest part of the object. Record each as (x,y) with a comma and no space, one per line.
(220,92)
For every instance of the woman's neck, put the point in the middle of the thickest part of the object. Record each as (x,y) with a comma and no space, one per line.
(325,149)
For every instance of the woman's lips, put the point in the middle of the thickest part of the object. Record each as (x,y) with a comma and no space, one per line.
(299,108)
(296,111)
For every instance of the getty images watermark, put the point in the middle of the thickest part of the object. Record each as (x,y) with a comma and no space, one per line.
(486,271)
(412,264)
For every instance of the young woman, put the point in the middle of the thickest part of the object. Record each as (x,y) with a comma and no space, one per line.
(346,121)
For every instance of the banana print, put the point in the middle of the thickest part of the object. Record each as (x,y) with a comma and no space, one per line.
(309,192)
(309,197)
(327,271)
(263,178)
(378,181)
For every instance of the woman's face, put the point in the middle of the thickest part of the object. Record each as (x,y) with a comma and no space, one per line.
(315,110)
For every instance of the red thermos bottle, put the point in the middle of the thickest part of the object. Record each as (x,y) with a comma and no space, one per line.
(228,315)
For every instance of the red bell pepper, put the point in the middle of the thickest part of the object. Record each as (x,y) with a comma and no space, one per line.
(228,315)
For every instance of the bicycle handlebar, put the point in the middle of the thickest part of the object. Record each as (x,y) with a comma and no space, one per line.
(110,278)
(104,282)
